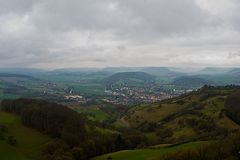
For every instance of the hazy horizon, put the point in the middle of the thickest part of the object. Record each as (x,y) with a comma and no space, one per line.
(117,68)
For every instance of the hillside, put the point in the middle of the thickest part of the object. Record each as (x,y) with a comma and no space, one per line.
(7,75)
(74,136)
(22,71)
(129,78)
(29,142)
(149,153)
(15,85)
(213,70)
(168,128)
(191,82)
(224,149)
(235,72)
(162,72)
(219,76)
(198,115)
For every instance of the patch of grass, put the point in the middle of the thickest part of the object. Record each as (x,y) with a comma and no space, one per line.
(92,89)
(29,141)
(149,154)
(8,96)
(94,114)
(8,152)
(152,137)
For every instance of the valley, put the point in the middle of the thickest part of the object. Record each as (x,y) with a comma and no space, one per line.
(116,115)
(120,80)
(115,85)
(178,125)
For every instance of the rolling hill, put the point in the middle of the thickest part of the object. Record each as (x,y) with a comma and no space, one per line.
(235,72)
(213,71)
(22,71)
(191,82)
(197,115)
(129,79)
(16,85)
(162,72)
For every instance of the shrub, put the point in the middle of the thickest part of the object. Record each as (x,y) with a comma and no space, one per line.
(11,140)
(232,107)
(164,133)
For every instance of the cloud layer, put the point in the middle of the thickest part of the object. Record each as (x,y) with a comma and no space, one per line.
(78,33)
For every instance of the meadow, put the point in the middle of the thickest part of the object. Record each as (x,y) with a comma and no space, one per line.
(29,142)
(92,113)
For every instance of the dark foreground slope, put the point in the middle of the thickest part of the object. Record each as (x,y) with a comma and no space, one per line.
(18,141)
(74,137)
(226,149)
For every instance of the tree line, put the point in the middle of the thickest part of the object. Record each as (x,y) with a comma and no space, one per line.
(75,137)
(226,149)
(232,107)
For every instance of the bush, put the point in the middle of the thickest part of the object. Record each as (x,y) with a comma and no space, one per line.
(2,137)
(232,107)
(164,133)
(181,102)
(11,140)
(3,128)
(181,155)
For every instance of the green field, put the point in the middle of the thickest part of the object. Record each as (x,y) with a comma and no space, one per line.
(149,154)
(83,83)
(92,89)
(94,114)
(8,96)
(29,142)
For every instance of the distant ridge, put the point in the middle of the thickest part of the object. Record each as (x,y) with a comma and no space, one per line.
(142,76)
(235,72)
(25,71)
(191,81)
(9,75)
(214,70)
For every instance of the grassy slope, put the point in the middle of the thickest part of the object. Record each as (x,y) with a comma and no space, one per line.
(150,153)
(29,141)
(213,107)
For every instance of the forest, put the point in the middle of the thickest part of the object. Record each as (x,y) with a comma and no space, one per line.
(74,136)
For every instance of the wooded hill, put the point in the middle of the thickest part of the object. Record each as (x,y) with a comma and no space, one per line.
(208,113)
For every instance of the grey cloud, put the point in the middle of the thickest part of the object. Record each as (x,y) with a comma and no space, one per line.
(233,55)
(17,6)
(78,33)
(129,18)
(121,48)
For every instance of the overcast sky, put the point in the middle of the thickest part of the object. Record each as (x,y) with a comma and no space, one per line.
(100,33)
